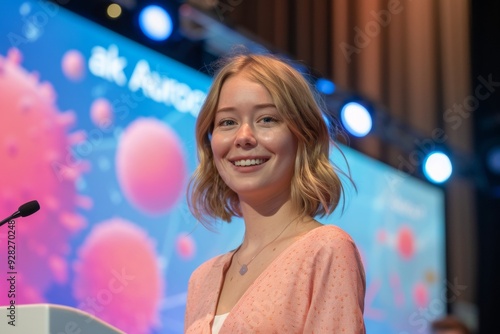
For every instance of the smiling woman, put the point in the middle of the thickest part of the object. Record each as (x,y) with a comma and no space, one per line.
(253,148)
(263,147)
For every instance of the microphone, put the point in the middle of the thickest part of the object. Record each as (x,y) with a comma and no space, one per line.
(24,210)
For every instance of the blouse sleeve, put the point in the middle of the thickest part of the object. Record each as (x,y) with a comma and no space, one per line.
(338,289)
(191,304)
(199,300)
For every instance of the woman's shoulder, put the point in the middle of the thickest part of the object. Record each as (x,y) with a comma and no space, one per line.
(212,265)
(327,234)
(328,240)
(331,244)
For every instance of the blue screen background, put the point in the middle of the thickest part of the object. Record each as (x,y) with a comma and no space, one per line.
(397,221)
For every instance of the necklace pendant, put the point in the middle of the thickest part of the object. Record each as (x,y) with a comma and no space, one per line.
(243,269)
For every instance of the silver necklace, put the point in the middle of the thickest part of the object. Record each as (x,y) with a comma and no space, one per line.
(244,266)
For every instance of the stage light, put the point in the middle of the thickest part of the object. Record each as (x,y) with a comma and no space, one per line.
(114,11)
(437,167)
(356,119)
(493,159)
(490,158)
(325,86)
(156,23)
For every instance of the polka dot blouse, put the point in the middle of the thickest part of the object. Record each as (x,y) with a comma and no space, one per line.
(316,285)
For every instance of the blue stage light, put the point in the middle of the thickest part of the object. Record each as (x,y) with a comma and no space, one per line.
(356,119)
(325,86)
(437,167)
(493,159)
(156,23)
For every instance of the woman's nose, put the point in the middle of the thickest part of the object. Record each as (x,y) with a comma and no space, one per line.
(245,136)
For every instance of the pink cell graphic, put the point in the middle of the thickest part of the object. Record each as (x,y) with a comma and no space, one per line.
(117,276)
(185,246)
(101,113)
(420,295)
(406,242)
(150,166)
(37,164)
(73,65)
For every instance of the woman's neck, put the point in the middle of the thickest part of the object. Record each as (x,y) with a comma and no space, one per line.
(266,221)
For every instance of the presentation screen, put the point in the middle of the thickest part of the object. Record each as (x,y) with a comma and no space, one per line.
(100,131)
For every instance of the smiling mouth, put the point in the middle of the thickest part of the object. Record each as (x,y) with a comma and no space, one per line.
(249,162)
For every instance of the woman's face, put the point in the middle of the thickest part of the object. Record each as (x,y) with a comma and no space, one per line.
(253,148)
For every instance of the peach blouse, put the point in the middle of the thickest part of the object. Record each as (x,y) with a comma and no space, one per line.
(316,285)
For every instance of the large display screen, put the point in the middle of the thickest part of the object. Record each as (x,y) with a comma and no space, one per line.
(100,130)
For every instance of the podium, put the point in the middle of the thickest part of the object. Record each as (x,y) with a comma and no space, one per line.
(51,319)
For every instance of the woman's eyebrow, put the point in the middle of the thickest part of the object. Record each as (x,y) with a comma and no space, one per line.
(257,106)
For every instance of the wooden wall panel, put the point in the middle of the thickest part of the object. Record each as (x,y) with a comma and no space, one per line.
(339,29)
(421,65)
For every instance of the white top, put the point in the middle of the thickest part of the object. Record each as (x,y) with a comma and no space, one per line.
(218,321)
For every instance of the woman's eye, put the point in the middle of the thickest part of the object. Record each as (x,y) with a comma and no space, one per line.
(269,119)
(226,122)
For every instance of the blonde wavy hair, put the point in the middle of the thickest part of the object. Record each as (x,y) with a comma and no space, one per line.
(316,188)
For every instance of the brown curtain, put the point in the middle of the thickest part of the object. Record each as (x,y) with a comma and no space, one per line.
(411,56)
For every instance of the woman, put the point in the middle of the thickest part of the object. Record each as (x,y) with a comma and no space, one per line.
(263,147)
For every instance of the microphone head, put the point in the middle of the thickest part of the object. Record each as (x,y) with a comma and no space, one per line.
(29,208)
